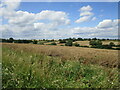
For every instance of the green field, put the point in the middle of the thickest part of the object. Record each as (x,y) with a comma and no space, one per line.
(25,69)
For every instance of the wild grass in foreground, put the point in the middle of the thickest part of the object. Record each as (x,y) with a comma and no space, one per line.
(23,69)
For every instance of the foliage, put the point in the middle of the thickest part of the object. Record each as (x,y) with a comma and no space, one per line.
(69,43)
(85,46)
(102,46)
(95,42)
(35,42)
(111,44)
(53,43)
(32,70)
(22,41)
(41,43)
(76,44)
(11,40)
(62,41)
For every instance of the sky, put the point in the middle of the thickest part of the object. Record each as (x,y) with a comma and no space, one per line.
(55,20)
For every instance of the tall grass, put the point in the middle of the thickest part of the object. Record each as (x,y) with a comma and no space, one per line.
(23,69)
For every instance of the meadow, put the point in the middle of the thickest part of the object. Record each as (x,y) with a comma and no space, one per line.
(46,66)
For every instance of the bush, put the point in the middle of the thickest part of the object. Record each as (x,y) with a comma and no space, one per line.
(102,46)
(41,43)
(11,40)
(85,46)
(35,42)
(95,42)
(111,44)
(69,43)
(62,41)
(53,43)
(76,44)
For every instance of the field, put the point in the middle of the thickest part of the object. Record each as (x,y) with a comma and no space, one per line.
(46,66)
(85,43)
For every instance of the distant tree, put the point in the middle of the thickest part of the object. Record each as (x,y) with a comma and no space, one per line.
(11,40)
(69,43)
(94,38)
(52,40)
(103,39)
(80,39)
(76,44)
(43,39)
(95,42)
(89,39)
(53,43)
(62,41)
(41,43)
(4,40)
(35,42)
(74,39)
(111,44)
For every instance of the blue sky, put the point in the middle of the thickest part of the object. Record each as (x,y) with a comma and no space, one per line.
(31,20)
(102,10)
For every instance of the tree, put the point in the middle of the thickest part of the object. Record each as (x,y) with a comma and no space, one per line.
(94,38)
(111,44)
(76,44)
(53,43)
(35,42)
(11,40)
(69,43)
(80,39)
(62,41)
(95,42)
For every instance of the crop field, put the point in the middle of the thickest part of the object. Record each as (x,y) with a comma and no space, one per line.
(46,66)
(86,43)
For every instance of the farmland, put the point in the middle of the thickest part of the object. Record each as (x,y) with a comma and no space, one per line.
(47,66)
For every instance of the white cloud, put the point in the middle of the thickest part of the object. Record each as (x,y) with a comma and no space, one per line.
(20,21)
(8,7)
(83,19)
(85,14)
(90,32)
(108,23)
(56,16)
(29,25)
(22,18)
(86,8)
(49,24)
(94,18)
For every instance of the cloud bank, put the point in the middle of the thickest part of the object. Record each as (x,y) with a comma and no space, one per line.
(50,24)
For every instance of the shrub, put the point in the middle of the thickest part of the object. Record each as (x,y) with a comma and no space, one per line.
(76,44)
(84,46)
(102,46)
(62,41)
(69,43)
(11,40)
(95,42)
(111,44)
(41,43)
(35,42)
(53,43)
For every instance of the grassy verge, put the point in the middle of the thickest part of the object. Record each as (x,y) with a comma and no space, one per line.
(23,69)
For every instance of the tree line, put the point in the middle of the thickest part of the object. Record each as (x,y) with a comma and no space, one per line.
(94,42)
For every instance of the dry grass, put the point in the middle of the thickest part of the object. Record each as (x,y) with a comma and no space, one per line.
(107,42)
(86,43)
(108,58)
(83,43)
